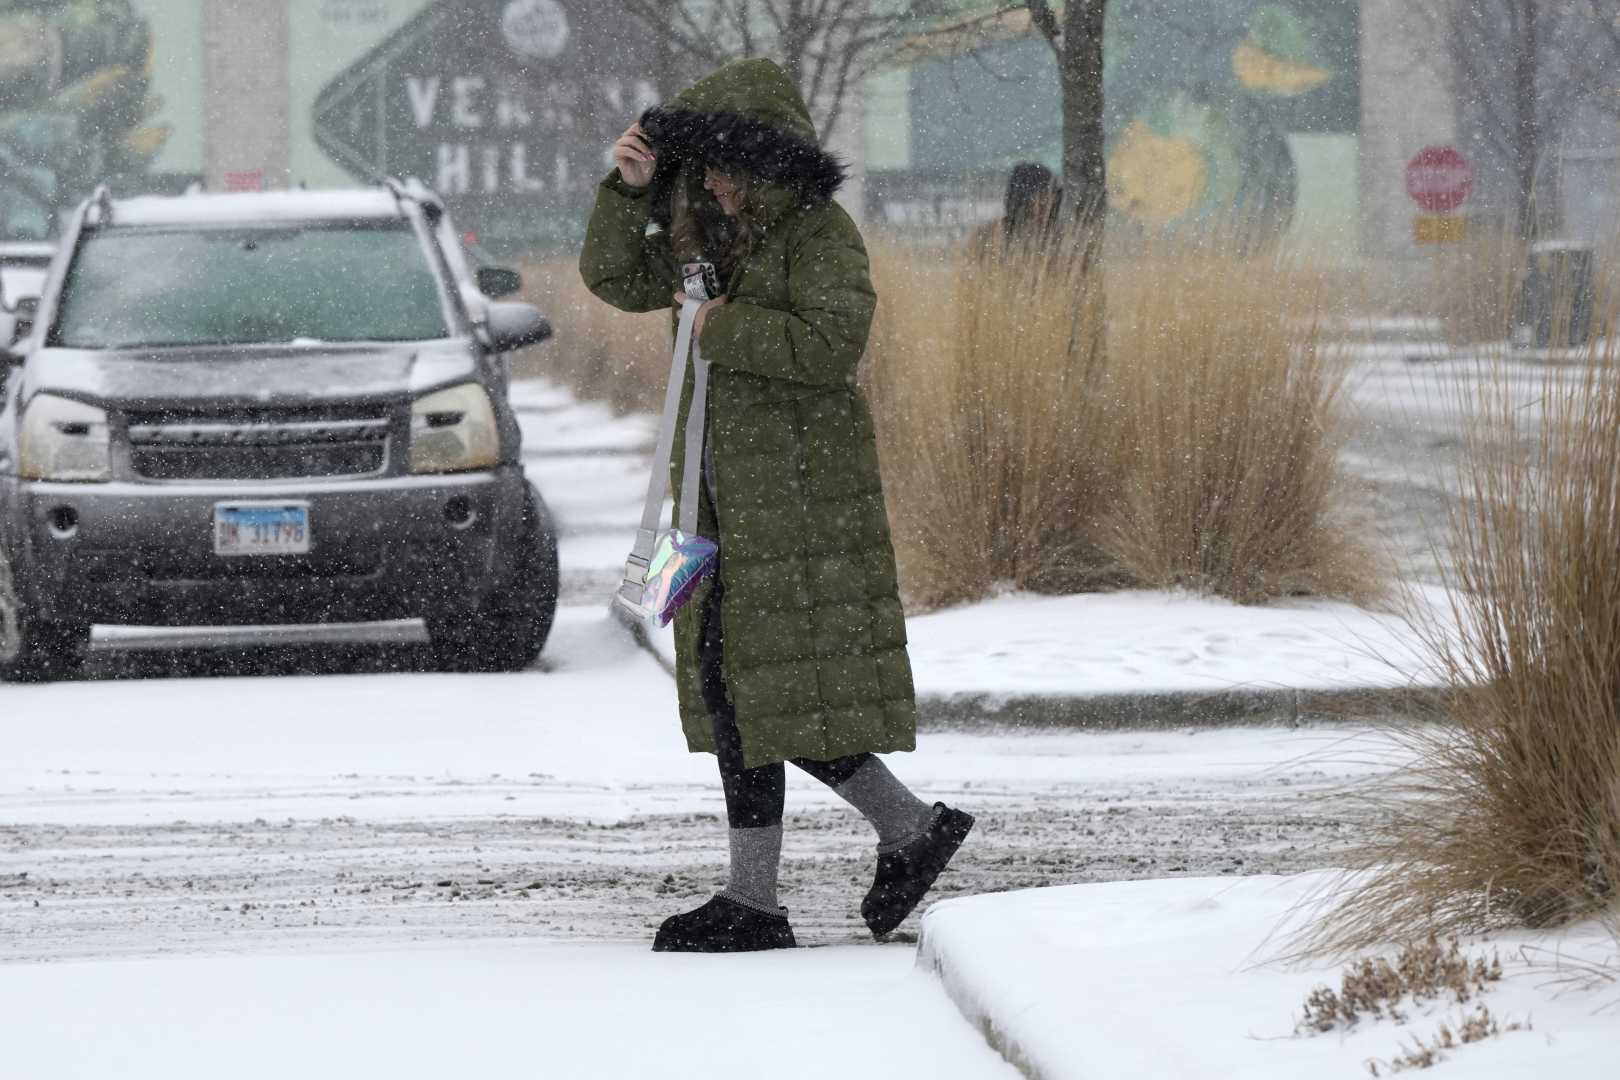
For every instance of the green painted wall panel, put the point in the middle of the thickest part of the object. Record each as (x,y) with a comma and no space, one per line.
(177,79)
(326,38)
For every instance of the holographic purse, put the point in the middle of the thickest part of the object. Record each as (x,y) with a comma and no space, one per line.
(666,566)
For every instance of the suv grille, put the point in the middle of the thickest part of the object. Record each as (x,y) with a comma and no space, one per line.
(259,447)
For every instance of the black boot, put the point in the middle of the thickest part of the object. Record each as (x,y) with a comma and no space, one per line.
(905,876)
(724,926)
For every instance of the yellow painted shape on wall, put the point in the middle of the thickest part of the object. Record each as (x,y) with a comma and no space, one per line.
(90,91)
(1154,179)
(149,141)
(1258,70)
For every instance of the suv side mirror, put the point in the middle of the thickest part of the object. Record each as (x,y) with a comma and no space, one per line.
(497,282)
(516,326)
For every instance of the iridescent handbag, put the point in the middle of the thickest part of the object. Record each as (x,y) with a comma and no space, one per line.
(666,566)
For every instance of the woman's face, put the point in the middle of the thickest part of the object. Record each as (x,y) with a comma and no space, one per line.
(724,190)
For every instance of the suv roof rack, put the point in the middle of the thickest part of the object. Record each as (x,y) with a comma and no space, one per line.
(101,204)
(413,190)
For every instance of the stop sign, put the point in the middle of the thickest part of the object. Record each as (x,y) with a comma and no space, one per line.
(1439,179)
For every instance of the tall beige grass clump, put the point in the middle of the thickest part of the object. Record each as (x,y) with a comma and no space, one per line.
(1227,413)
(1192,446)
(1511,814)
(600,352)
(1476,286)
(982,377)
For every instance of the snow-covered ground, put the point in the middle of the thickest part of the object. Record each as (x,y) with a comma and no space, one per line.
(281,812)
(333,858)
(1117,643)
(541,1009)
(1145,643)
(1408,409)
(1179,978)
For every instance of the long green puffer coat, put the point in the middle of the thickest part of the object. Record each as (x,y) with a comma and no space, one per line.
(815,643)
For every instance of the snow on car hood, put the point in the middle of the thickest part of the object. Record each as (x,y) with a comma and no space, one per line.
(258,374)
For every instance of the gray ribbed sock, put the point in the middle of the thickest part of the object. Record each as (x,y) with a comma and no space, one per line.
(756,855)
(898,816)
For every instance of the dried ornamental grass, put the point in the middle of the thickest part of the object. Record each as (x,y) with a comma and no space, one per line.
(1511,813)
(979,373)
(1227,413)
(1197,450)
(1194,447)
(1377,988)
(600,352)
(1476,286)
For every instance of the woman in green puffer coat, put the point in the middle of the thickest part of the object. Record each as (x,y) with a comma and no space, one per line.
(796,648)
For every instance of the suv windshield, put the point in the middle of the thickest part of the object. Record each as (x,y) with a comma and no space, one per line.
(251,285)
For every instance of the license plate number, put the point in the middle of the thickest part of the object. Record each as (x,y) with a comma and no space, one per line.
(261,529)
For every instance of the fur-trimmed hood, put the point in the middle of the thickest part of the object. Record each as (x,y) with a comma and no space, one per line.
(746,118)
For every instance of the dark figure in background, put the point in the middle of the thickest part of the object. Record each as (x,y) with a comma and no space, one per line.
(1034,203)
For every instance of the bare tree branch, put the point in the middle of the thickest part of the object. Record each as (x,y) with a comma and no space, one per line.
(1046,21)
(826,46)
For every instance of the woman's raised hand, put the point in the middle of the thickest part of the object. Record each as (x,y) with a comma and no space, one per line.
(703,312)
(634,157)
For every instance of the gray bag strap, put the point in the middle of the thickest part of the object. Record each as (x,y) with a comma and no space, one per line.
(691,476)
(635,569)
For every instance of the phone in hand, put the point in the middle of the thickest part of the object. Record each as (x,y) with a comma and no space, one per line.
(700,281)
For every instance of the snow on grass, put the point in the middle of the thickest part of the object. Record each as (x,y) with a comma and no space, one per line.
(1166,978)
(497,1009)
(1149,642)
(1143,642)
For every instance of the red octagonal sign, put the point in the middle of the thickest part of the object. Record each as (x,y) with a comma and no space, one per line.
(1439,179)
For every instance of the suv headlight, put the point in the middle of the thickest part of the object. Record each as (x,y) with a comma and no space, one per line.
(454,430)
(63,439)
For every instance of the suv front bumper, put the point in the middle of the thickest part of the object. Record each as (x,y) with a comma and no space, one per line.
(143,554)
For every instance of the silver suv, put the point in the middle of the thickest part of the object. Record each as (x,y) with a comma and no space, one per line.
(268,409)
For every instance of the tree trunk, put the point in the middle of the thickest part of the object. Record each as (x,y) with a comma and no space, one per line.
(1081,63)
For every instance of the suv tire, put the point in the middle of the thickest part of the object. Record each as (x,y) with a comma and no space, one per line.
(34,649)
(509,629)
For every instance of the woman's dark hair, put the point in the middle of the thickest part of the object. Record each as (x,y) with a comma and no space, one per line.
(1026,186)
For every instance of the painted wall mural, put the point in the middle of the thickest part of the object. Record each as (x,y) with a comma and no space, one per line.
(76,105)
(1206,103)
(1207,133)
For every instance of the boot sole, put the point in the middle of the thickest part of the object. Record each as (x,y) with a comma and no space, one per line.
(954,839)
(712,947)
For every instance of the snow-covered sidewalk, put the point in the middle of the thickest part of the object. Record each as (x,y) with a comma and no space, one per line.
(496,1008)
(1170,978)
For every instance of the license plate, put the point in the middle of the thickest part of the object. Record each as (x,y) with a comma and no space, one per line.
(261,529)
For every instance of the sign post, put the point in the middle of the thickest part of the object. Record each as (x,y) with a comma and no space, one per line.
(1439,179)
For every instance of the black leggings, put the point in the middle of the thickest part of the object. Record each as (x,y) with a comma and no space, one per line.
(754,797)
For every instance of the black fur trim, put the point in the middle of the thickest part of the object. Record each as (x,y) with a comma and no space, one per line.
(735,143)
